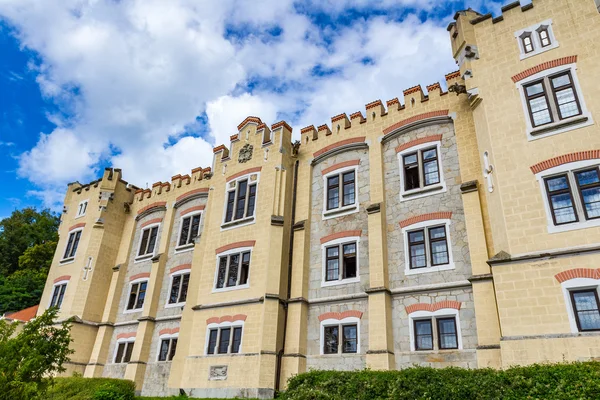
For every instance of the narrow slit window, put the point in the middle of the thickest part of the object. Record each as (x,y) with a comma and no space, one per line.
(544,36)
(588,182)
(527,42)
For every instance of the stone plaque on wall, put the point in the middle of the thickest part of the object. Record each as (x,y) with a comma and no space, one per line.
(217,373)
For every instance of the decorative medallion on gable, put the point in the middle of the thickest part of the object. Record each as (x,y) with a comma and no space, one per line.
(245,153)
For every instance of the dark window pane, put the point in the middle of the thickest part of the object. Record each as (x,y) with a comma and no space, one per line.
(120,351)
(237,340)
(128,351)
(416,237)
(54,296)
(234,260)
(561,200)
(348,188)
(184,287)
(164,350)
(212,341)
(173,349)
(75,243)
(416,246)
(141,295)
(330,341)
(185,230)
(447,333)
(333,192)
(585,303)
(349,339)
(230,203)
(411,172)
(439,246)
(224,341)
(152,240)
(144,243)
(350,260)
(245,268)
(241,199)
(175,289)
(69,245)
(61,295)
(333,264)
(222,271)
(251,200)
(132,296)
(589,184)
(423,335)
(195,228)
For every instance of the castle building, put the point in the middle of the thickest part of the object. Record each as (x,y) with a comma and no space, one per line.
(457,228)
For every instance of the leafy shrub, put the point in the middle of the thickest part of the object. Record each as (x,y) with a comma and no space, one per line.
(77,388)
(550,381)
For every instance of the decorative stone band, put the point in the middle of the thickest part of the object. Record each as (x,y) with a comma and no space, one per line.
(219,148)
(192,209)
(434,86)
(452,75)
(339,144)
(419,117)
(340,315)
(63,278)
(340,166)
(248,120)
(565,159)
(426,217)
(168,331)
(376,103)
(149,206)
(544,66)
(180,268)
(139,276)
(414,89)
(191,193)
(226,318)
(416,142)
(245,243)
(433,307)
(280,124)
(150,222)
(79,225)
(234,138)
(340,235)
(242,173)
(358,115)
(338,117)
(126,335)
(577,273)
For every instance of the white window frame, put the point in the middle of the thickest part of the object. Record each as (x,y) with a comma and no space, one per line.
(236,223)
(341,210)
(572,68)
(340,241)
(145,257)
(339,322)
(171,276)
(134,310)
(119,341)
(225,324)
(434,315)
(432,190)
(577,284)
(237,287)
(568,169)
(69,260)
(535,39)
(425,225)
(80,214)
(59,283)
(189,246)
(164,337)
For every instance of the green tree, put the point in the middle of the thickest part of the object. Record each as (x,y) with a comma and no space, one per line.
(22,289)
(29,358)
(25,229)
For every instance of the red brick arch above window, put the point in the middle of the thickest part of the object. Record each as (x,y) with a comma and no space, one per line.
(242,173)
(126,335)
(577,273)
(416,142)
(433,307)
(340,315)
(192,209)
(63,278)
(340,235)
(544,66)
(565,159)
(341,165)
(168,331)
(426,217)
(419,117)
(230,246)
(150,222)
(139,276)
(226,318)
(79,225)
(180,268)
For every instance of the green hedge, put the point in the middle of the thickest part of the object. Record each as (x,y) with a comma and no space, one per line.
(556,381)
(77,388)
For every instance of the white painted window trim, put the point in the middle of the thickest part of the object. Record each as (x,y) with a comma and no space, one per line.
(552,71)
(171,276)
(160,339)
(59,283)
(425,225)
(225,324)
(442,313)
(189,246)
(78,214)
(226,253)
(568,168)
(535,39)
(145,257)
(425,191)
(344,240)
(119,341)
(242,221)
(131,283)
(341,210)
(576,284)
(69,260)
(339,322)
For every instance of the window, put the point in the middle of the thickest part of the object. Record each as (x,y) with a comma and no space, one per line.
(137,293)
(585,307)
(233,270)
(340,336)
(179,288)
(421,172)
(167,349)
(429,240)
(58,293)
(241,198)
(72,244)
(434,333)
(224,340)
(148,241)
(81,209)
(536,39)
(124,350)
(341,190)
(341,262)
(527,43)
(544,36)
(190,227)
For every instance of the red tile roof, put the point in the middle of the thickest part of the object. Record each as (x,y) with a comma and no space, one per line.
(23,315)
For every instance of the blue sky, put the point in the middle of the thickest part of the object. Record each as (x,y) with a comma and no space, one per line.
(150,86)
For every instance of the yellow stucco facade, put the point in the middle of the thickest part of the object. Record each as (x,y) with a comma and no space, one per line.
(307,254)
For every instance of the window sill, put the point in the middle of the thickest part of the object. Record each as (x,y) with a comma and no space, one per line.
(237,223)
(175,305)
(230,288)
(435,351)
(67,261)
(133,310)
(426,270)
(423,192)
(185,248)
(560,127)
(341,354)
(592,223)
(338,212)
(143,258)
(340,282)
